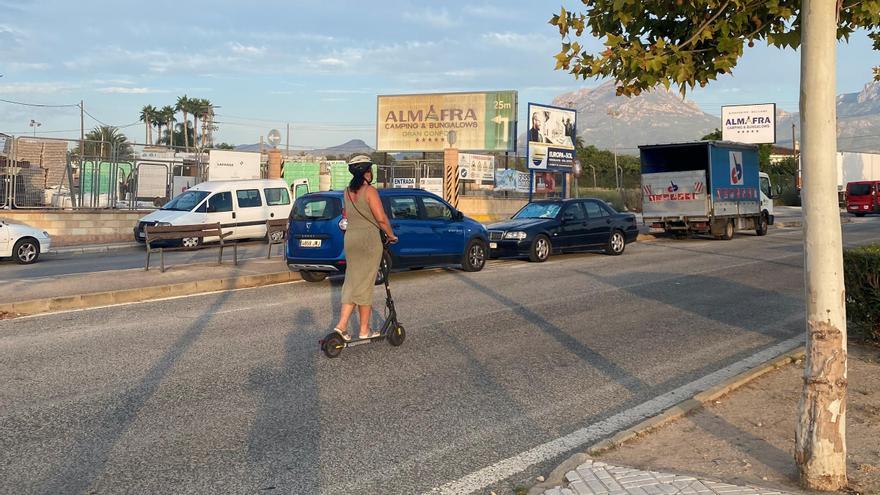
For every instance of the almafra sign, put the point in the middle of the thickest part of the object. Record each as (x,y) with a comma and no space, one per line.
(752,124)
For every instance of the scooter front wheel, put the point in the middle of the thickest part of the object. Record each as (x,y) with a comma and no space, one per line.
(333,345)
(397,335)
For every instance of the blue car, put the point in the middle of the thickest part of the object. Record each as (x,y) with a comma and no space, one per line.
(430,232)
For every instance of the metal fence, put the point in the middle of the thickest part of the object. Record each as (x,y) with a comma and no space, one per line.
(56,173)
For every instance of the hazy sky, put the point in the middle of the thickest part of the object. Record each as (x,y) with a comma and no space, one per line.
(316,64)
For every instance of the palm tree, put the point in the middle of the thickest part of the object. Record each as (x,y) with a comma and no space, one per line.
(183,105)
(102,140)
(205,109)
(148,115)
(167,116)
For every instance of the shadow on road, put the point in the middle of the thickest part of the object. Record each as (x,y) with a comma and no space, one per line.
(89,455)
(568,341)
(284,443)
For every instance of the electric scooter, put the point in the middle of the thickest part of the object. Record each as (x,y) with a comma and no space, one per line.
(333,343)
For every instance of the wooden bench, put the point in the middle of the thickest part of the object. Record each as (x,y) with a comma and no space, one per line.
(276,233)
(178,233)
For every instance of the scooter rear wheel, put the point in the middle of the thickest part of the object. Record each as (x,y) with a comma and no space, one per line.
(333,345)
(397,336)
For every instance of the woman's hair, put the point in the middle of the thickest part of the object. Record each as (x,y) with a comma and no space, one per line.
(357,180)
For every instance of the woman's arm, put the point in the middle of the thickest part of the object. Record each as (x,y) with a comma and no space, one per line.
(379,212)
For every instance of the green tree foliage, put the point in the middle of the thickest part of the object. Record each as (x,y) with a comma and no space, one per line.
(687,43)
(224,146)
(603,161)
(105,142)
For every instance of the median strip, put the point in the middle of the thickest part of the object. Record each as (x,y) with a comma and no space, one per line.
(122,296)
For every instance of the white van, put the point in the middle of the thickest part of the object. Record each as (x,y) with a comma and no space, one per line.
(239,206)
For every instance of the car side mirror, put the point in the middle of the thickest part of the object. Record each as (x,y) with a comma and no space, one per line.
(568,217)
(457,216)
(212,209)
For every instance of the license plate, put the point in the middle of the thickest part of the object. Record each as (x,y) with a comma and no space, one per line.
(140,234)
(493,245)
(310,243)
(656,230)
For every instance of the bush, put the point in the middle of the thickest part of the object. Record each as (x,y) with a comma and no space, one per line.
(861,267)
(633,198)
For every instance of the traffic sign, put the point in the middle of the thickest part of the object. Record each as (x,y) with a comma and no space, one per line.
(274,137)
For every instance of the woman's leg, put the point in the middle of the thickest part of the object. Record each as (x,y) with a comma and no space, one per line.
(344,315)
(364,313)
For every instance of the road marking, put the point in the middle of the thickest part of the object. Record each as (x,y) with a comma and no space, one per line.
(506,468)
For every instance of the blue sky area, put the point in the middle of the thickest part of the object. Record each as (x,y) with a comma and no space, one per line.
(316,64)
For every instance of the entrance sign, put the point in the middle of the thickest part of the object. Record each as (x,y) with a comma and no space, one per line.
(481,121)
(753,124)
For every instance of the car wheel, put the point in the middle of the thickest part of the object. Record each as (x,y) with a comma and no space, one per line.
(540,249)
(26,251)
(310,276)
(191,242)
(727,233)
(384,268)
(474,258)
(762,225)
(616,243)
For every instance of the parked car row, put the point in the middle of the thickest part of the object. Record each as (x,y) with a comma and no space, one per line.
(433,233)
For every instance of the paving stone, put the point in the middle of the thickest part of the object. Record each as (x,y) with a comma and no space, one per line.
(602,479)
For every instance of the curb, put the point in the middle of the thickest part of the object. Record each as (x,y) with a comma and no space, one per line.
(687,406)
(96,299)
(91,249)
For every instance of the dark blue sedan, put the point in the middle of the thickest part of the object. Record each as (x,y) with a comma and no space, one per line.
(430,232)
(555,226)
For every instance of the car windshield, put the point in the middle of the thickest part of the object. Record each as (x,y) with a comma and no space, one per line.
(859,189)
(186,201)
(539,210)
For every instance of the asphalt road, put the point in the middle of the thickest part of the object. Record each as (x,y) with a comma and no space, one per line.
(228,392)
(59,265)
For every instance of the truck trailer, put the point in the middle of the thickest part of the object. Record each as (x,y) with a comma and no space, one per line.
(705,187)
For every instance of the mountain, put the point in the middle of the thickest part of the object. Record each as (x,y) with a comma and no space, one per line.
(858,121)
(658,116)
(344,149)
(662,116)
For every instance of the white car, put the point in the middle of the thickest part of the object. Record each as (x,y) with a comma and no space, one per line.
(22,242)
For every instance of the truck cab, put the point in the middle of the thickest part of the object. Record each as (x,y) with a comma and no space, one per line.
(862,197)
(766,197)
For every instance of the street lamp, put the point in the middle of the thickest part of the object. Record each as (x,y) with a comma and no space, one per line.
(35,124)
(617,179)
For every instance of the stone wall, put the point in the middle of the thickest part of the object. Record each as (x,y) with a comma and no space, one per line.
(69,228)
(488,210)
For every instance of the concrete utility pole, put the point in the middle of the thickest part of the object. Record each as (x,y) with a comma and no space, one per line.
(820,449)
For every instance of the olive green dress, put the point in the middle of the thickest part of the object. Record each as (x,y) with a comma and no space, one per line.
(363,251)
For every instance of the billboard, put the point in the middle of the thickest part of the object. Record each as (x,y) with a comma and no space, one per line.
(552,133)
(233,165)
(484,121)
(753,124)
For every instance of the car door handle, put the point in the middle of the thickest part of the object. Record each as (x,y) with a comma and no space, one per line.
(608,221)
(271,215)
(233,215)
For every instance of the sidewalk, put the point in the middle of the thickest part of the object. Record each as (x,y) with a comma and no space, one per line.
(39,295)
(745,439)
(92,248)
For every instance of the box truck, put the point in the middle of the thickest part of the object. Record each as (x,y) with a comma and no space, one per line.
(705,187)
